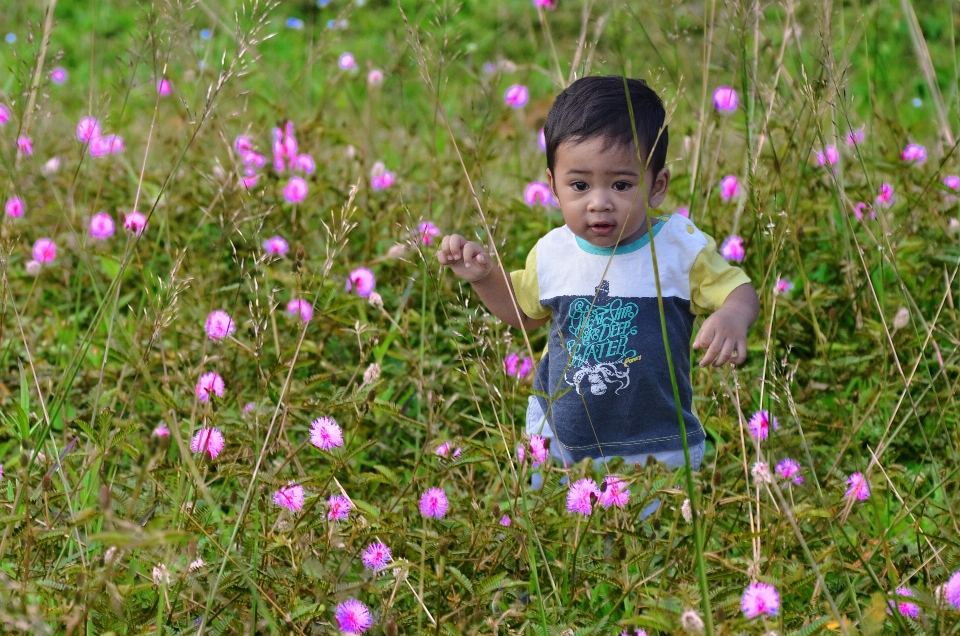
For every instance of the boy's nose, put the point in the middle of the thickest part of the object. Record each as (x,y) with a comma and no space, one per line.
(600,201)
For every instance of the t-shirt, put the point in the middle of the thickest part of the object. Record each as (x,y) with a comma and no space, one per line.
(604,382)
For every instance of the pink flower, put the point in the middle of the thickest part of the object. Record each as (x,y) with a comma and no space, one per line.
(854,137)
(442,450)
(538,448)
(542,140)
(242,144)
(364,280)
(44,251)
(760,598)
(905,608)
(376,556)
(296,190)
(885,198)
(250,181)
(14,207)
(521,453)
(209,383)
(789,469)
(538,193)
(951,591)
(339,508)
(276,245)
(25,145)
(759,425)
(505,520)
(101,226)
(581,496)
(111,144)
(325,433)
(615,492)
(58,75)
(162,431)
(915,153)
(546,4)
(732,249)
(88,129)
(525,366)
(725,99)
(859,487)
(209,440)
(952,182)
(510,363)
(783,286)
(427,231)
(434,503)
(683,211)
(135,222)
(375,77)
(829,156)
(457,452)
(305,163)
(254,159)
(290,497)
(219,325)
(289,144)
(4,114)
(382,181)
(517,96)
(163,86)
(353,617)
(729,187)
(347,62)
(302,307)
(859,209)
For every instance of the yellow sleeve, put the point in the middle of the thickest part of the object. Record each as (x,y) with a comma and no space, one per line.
(712,279)
(527,288)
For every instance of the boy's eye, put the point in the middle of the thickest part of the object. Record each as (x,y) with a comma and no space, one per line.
(579,186)
(621,186)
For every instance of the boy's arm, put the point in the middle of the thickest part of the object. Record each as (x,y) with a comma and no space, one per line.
(725,331)
(470,261)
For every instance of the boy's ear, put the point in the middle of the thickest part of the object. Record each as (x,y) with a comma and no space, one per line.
(553,186)
(658,192)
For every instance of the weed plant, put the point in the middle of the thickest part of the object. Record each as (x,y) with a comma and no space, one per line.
(168,469)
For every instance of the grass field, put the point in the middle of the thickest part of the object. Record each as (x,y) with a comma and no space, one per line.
(167,469)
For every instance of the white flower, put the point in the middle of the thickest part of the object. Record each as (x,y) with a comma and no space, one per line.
(161,576)
(375,300)
(687,511)
(372,374)
(691,622)
(761,473)
(901,319)
(196,565)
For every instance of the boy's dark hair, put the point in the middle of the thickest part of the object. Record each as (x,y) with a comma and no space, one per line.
(597,106)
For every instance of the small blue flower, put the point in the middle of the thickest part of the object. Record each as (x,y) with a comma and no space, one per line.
(11,37)
(917,102)
(322,3)
(205,34)
(294,23)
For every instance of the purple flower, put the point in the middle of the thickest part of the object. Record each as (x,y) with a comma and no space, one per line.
(951,590)
(325,433)
(505,520)
(829,156)
(859,488)
(683,211)
(442,450)
(905,608)
(581,496)
(517,96)
(427,231)
(219,325)
(58,75)
(305,163)
(375,77)
(376,556)
(538,193)
(339,508)
(760,598)
(538,448)
(276,245)
(380,177)
(615,492)
(209,440)
(210,383)
(860,208)
(542,140)
(525,366)
(854,137)
(783,286)
(163,86)
(915,153)
(885,198)
(88,129)
(510,363)
(135,222)
(347,62)
(353,617)
(295,190)
(101,226)
(290,497)
(302,307)
(729,187)
(952,182)
(732,249)
(759,425)
(434,503)
(521,453)
(4,114)
(725,99)
(789,469)
(14,207)
(44,250)
(364,280)
(25,145)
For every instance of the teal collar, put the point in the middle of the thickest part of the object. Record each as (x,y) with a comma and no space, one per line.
(633,246)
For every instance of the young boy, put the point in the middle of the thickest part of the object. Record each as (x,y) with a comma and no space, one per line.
(603,387)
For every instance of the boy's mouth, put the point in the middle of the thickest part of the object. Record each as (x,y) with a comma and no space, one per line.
(602,229)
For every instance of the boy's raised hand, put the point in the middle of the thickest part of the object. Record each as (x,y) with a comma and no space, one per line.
(467,259)
(724,333)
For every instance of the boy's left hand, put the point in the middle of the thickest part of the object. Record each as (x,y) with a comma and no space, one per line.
(724,333)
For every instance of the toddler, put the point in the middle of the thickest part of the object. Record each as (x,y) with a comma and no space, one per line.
(603,387)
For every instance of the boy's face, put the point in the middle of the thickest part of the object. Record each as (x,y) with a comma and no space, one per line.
(602,195)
